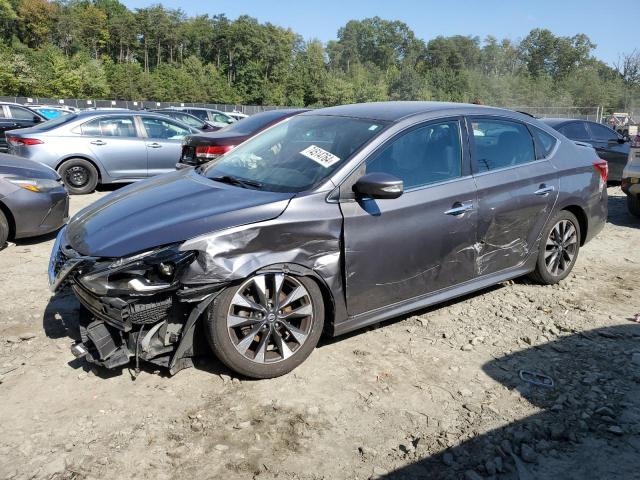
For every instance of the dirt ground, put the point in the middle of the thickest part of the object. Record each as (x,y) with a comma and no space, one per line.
(432,395)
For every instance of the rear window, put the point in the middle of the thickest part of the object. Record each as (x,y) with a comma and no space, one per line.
(54,122)
(252,124)
(574,131)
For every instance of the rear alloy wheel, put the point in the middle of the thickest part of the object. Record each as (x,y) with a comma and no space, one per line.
(633,205)
(268,325)
(79,176)
(558,249)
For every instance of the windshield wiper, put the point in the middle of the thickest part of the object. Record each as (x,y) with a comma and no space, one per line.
(237,181)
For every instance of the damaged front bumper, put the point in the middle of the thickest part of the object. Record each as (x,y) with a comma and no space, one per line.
(134,308)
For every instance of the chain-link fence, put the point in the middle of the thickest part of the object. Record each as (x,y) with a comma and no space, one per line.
(595,114)
(134,105)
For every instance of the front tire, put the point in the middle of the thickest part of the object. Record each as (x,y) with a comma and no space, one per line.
(558,250)
(266,326)
(633,205)
(4,230)
(79,176)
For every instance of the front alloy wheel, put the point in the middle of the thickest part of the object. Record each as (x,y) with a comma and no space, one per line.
(268,325)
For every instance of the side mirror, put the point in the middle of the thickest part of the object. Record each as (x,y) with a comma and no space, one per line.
(624,139)
(379,185)
(36,119)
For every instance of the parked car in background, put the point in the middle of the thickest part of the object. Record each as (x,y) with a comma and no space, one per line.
(14,116)
(610,145)
(50,111)
(187,118)
(331,220)
(202,148)
(631,177)
(102,146)
(215,117)
(33,200)
(237,115)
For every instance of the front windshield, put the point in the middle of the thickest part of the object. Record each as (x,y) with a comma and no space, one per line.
(296,154)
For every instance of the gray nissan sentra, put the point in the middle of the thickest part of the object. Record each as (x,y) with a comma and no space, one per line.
(329,221)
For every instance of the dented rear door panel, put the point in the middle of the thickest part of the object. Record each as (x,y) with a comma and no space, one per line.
(512,212)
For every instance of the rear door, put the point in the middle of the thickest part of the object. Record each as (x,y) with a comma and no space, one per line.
(610,147)
(23,117)
(6,123)
(517,188)
(422,241)
(163,142)
(116,143)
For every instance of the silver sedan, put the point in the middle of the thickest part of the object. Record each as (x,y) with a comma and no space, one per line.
(101,147)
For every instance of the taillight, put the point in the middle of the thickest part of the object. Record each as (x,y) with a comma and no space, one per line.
(209,152)
(23,141)
(635,141)
(603,169)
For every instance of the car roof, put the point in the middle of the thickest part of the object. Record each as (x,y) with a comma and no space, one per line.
(396,111)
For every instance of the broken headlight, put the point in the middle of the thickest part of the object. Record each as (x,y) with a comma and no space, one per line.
(142,274)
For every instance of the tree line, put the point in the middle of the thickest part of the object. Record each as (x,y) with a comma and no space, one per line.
(101,49)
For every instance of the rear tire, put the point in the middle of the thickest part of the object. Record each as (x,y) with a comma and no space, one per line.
(260,337)
(633,204)
(79,176)
(558,249)
(4,230)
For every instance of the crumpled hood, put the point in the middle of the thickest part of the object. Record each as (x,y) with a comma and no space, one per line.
(167,209)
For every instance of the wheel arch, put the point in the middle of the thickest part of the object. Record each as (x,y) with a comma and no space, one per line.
(83,157)
(583,221)
(302,271)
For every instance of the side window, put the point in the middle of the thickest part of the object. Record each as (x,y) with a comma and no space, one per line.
(221,118)
(501,143)
(545,143)
(165,129)
(110,127)
(602,133)
(574,131)
(201,114)
(1,112)
(20,113)
(425,155)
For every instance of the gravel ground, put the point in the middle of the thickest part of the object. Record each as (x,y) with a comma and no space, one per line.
(432,395)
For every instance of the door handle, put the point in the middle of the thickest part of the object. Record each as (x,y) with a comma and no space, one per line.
(543,191)
(154,145)
(98,142)
(459,208)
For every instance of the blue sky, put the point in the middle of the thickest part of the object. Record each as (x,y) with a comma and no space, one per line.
(613,26)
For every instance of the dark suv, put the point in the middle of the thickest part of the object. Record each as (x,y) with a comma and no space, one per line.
(610,145)
(14,116)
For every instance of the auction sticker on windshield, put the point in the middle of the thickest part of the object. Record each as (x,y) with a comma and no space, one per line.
(318,155)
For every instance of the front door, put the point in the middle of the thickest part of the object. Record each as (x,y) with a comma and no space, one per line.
(516,192)
(422,241)
(164,144)
(114,142)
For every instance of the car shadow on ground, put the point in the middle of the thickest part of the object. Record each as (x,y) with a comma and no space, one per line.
(588,425)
